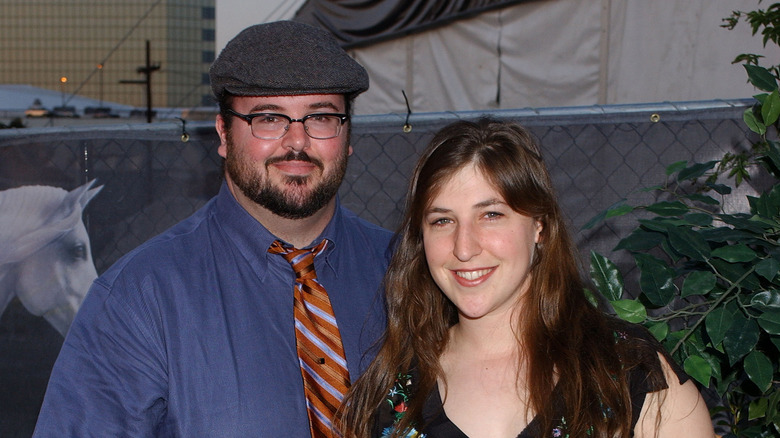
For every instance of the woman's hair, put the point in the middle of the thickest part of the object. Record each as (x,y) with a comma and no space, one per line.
(560,334)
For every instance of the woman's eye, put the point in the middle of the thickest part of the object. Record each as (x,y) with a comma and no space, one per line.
(440,221)
(493,214)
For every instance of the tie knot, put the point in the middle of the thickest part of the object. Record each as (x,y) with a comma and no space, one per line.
(302,260)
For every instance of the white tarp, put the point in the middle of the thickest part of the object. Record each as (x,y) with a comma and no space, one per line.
(565,53)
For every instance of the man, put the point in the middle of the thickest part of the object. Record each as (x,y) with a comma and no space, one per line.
(193,334)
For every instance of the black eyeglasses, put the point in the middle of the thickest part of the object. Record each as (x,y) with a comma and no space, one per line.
(272,126)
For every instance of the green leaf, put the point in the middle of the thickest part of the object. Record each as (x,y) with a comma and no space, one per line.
(699,369)
(667,208)
(743,222)
(772,155)
(761,78)
(619,211)
(659,224)
(640,240)
(773,408)
(606,276)
(725,234)
(649,189)
(671,340)
(753,123)
(676,167)
(768,268)
(720,189)
(757,408)
(759,368)
(735,253)
(767,206)
(770,109)
(698,219)
(770,322)
(715,364)
(689,243)
(656,279)
(630,310)
(616,209)
(718,322)
(733,272)
(696,170)
(709,200)
(659,330)
(766,300)
(698,283)
(740,338)
(591,297)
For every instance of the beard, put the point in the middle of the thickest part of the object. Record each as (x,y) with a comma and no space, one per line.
(293,199)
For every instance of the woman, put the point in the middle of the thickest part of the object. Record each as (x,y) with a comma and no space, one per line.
(490,333)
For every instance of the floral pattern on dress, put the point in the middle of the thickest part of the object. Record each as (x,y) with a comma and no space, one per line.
(398,399)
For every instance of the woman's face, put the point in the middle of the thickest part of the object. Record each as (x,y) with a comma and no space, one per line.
(479,250)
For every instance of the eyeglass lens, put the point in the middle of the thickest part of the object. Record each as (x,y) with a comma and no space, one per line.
(319,126)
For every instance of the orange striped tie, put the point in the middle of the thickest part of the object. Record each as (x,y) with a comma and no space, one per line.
(320,352)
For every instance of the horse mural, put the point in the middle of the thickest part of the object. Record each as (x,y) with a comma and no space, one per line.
(45,257)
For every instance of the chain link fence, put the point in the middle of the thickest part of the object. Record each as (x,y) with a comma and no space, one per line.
(152,178)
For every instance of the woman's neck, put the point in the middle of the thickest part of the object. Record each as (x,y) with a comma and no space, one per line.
(483,389)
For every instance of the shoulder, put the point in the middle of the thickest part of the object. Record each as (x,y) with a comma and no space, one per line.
(186,232)
(678,410)
(666,402)
(158,259)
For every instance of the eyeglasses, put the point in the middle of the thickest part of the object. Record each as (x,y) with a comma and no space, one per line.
(272,126)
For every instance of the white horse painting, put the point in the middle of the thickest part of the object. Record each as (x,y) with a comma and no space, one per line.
(45,257)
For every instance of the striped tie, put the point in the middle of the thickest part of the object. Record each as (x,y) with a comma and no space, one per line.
(320,352)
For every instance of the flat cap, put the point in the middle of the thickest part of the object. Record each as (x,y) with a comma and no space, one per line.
(286,58)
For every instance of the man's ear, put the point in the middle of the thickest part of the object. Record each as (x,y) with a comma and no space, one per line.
(222,132)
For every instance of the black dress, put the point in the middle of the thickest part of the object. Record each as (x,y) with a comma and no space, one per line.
(437,425)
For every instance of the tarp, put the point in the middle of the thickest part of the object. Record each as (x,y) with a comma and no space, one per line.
(360,23)
(552,53)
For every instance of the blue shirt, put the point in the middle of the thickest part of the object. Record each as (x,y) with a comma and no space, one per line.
(191,334)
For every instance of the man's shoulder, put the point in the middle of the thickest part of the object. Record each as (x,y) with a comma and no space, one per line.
(180,241)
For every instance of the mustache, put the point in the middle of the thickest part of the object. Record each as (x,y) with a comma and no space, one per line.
(294,156)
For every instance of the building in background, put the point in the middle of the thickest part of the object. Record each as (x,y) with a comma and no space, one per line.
(97,49)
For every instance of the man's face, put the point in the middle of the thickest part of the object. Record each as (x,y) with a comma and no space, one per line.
(293,176)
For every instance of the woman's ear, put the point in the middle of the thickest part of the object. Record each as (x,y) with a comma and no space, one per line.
(539,229)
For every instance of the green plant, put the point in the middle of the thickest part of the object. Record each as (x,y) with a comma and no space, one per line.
(709,287)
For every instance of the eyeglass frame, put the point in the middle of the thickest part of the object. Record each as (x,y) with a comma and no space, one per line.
(248,119)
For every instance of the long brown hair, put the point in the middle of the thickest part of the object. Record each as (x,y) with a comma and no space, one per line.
(562,334)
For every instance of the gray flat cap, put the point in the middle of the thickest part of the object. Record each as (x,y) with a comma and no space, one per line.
(286,58)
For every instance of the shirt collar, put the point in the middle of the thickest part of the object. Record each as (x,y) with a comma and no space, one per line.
(253,239)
